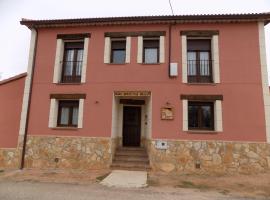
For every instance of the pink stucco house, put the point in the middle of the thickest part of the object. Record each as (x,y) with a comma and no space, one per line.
(169,93)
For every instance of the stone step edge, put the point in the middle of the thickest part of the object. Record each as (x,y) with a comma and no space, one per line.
(128,164)
(131,161)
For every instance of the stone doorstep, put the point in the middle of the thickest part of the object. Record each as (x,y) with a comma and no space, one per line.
(126,179)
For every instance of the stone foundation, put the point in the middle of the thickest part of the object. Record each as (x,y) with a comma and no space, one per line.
(210,156)
(83,153)
(52,152)
(10,158)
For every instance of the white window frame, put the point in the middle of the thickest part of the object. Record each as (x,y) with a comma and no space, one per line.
(53,114)
(214,52)
(218,122)
(107,49)
(59,56)
(161,49)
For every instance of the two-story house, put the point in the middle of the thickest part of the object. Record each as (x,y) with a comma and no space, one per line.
(192,90)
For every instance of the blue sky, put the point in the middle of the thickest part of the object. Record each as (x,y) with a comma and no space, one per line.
(15,38)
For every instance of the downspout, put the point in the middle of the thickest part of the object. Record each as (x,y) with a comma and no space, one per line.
(170,45)
(29,103)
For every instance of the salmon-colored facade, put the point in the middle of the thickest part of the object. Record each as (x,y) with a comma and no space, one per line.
(161,91)
(11,95)
(243,109)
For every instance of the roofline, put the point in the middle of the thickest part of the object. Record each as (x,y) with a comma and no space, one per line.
(166,19)
(14,78)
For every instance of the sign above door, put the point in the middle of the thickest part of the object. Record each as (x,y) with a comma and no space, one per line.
(132,93)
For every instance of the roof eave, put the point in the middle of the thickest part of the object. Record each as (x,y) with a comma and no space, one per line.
(265,17)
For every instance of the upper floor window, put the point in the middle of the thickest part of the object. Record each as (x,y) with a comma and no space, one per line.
(150,50)
(72,62)
(200,56)
(199,63)
(118,51)
(71,58)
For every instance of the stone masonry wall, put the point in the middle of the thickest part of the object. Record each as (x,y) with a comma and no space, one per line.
(52,152)
(10,157)
(213,156)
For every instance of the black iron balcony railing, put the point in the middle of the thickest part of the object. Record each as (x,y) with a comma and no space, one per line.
(71,72)
(199,71)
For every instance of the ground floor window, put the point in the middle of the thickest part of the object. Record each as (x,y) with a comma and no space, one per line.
(68,111)
(200,115)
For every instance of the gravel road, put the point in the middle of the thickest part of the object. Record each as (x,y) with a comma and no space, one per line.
(29,190)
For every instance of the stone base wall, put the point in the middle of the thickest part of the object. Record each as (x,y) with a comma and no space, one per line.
(52,152)
(10,158)
(116,142)
(210,156)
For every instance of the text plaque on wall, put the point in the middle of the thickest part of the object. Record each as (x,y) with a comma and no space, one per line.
(132,93)
(167,113)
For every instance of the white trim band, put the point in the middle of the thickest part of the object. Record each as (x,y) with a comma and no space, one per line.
(128,49)
(107,50)
(85,56)
(184,58)
(162,49)
(264,76)
(27,85)
(140,49)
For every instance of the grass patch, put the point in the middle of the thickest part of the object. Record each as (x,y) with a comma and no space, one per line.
(225,192)
(188,184)
(100,178)
(151,182)
(1,170)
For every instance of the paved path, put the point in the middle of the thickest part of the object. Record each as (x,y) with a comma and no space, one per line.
(45,191)
(126,179)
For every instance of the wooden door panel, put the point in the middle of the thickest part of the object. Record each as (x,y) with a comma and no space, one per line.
(132,126)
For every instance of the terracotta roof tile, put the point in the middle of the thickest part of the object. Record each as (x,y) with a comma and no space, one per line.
(13,78)
(202,18)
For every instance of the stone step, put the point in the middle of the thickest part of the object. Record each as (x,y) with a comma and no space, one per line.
(131,149)
(131,158)
(130,165)
(130,153)
(132,168)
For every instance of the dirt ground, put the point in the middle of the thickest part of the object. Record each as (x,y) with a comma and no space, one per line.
(256,186)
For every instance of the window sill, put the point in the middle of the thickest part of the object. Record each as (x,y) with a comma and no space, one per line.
(117,63)
(66,128)
(202,84)
(69,83)
(151,63)
(210,132)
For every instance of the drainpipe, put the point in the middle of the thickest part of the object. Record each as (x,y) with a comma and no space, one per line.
(170,41)
(170,45)
(29,102)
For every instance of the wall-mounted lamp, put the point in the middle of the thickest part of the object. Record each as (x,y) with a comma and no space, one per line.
(168,103)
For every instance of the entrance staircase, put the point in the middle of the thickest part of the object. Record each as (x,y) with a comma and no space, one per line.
(131,158)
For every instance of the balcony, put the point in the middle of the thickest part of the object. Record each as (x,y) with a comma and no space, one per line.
(199,71)
(71,72)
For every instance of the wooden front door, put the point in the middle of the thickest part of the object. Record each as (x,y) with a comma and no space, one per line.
(132,126)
